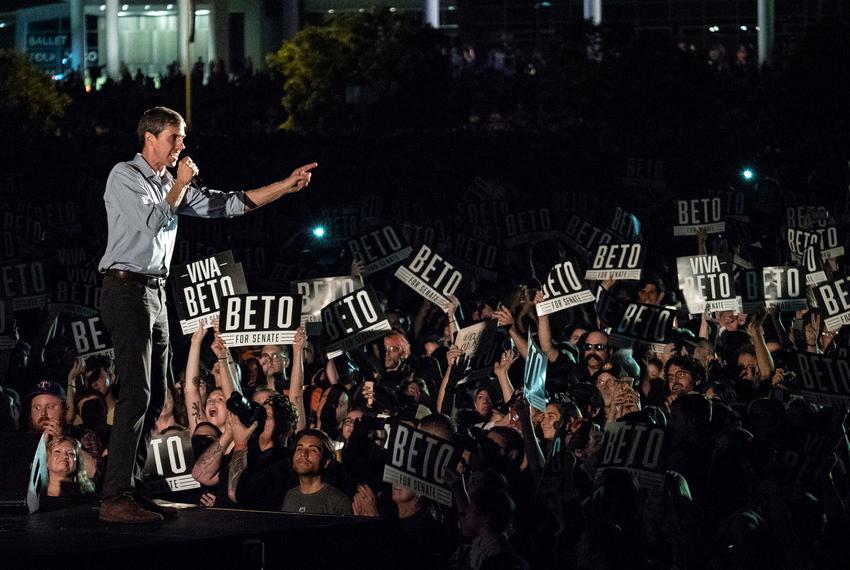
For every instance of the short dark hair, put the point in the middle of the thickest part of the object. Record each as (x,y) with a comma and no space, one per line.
(688,363)
(652,280)
(155,120)
(327,445)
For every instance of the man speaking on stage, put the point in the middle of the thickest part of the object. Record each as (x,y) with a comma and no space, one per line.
(142,203)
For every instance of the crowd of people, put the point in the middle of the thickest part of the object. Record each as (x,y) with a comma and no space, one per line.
(530,490)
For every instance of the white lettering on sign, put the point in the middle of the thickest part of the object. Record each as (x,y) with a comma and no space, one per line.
(645,322)
(419,454)
(435,271)
(695,212)
(375,245)
(87,335)
(205,297)
(528,222)
(258,312)
(617,256)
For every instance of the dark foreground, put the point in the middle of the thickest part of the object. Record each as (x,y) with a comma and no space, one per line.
(198,538)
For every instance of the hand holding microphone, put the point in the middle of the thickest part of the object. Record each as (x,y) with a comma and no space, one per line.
(187,174)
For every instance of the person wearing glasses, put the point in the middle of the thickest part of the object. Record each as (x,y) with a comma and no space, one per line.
(275,360)
(594,353)
(684,374)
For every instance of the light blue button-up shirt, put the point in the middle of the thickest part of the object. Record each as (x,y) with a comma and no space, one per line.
(142,227)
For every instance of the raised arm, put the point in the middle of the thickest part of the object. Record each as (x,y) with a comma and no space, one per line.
(191,384)
(296,181)
(763,358)
(504,317)
(208,465)
(296,382)
(77,369)
(452,356)
(500,368)
(533,452)
(239,460)
(229,382)
(544,332)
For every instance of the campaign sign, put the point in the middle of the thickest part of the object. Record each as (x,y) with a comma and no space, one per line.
(693,215)
(584,237)
(706,280)
(202,285)
(526,227)
(534,378)
(317,293)
(616,261)
(833,299)
(7,341)
(806,217)
(478,255)
(822,379)
(8,247)
(563,289)
(609,310)
(625,225)
(431,276)
(353,320)
(813,265)
(91,338)
(644,173)
(379,249)
(780,287)
(826,238)
(642,448)
(249,320)
(812,441)
(648,324)
(478,342)
(420,461)
(77,292)
(169,465)
(25,284)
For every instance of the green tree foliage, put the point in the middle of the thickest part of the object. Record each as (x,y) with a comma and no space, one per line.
(29,100)
(367,70)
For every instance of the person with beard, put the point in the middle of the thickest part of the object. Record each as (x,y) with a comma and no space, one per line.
(312,457)
(684,374)
(594,353)
(47,409)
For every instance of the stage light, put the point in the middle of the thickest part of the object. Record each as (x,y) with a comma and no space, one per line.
(319,232)
(748,174)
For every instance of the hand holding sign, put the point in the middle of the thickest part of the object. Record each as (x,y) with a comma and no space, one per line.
(504,316)
(504,363)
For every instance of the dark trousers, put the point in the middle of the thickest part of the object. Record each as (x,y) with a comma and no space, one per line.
(136,317)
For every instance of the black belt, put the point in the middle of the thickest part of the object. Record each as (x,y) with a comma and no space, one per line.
(138,277)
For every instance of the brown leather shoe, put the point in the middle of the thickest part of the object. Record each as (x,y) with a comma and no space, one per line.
(125,510)
(149,505)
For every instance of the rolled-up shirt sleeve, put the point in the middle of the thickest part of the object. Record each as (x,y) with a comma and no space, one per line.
(127,192)
(218,205)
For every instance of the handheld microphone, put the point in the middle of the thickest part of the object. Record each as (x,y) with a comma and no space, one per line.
(199,185)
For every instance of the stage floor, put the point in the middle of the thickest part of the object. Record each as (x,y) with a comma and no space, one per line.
(198,538)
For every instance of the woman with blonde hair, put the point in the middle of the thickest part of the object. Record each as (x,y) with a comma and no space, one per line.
(66,473)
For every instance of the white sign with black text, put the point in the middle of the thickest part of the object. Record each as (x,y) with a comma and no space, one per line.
(248,320)
(563,289)
(353,320)
(693,215)
(826,238)
(379,249)
(318,293)
(431,276)
(477,342)
(813,265)
(616,261)
(421,462)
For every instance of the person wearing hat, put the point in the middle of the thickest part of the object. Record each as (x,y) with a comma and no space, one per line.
(47,409)
(617,388)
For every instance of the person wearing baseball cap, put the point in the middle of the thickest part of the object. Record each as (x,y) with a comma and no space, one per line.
(47,409)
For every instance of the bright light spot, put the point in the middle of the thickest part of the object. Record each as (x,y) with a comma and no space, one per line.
(743,28)
(546,4)
(58,77)
(748,174)
(452,8)
(331,11)
(170,7)
(758,29)
(2,24)
(361,10)
(147,6)
(319,232)
(393,9)
(102,7)
(125,7)
(202,12)
(714,29)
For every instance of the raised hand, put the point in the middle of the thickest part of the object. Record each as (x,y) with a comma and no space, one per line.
(365,504)
(300,177)
(504,363)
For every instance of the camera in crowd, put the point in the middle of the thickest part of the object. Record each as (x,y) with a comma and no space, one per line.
(246,410)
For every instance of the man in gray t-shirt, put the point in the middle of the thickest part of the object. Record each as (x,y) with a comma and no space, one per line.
(313,455)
